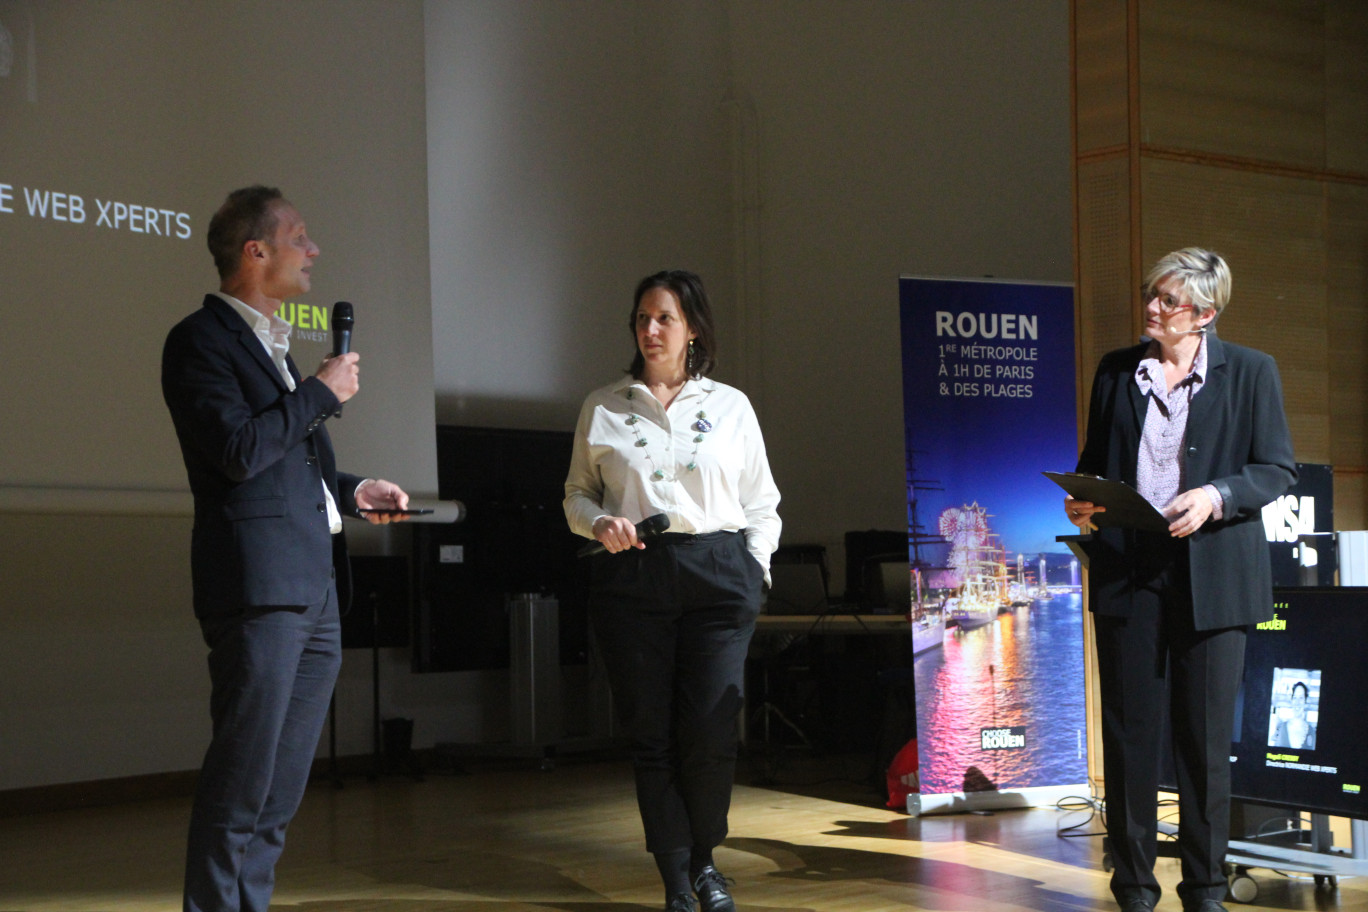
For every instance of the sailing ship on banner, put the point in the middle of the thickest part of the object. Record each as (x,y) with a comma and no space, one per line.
(980,564)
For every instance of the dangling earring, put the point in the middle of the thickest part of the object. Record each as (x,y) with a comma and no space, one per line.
(688,365)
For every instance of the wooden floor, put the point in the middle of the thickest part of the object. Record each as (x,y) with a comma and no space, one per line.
(510,837)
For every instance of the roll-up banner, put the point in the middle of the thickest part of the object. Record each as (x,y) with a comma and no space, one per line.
(989,403)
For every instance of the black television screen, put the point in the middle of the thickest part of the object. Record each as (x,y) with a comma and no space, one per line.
(1301,719)
(513,541)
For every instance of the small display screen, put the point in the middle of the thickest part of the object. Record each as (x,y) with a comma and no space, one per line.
(1301,719)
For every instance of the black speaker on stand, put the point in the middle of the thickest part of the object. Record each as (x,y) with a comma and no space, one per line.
(379,618)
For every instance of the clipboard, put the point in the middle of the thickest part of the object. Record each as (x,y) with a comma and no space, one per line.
(1125,506)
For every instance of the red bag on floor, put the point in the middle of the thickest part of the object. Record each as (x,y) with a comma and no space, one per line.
(902,776)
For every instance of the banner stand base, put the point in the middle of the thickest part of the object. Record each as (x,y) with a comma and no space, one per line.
(919,805)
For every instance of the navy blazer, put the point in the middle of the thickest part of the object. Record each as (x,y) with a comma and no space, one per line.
(1237,441)
(257,456)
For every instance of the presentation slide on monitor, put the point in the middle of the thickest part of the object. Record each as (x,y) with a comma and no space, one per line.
(1302,742)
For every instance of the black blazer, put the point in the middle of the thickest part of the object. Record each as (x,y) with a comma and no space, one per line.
(1237,440)
(257,456)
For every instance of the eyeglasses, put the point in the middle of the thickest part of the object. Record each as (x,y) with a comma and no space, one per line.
(1167,303)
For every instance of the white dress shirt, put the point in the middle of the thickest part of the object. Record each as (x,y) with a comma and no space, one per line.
(274,334)
(729,489)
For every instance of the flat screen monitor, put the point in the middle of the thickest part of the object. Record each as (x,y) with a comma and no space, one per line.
(1301,719)
(513,541)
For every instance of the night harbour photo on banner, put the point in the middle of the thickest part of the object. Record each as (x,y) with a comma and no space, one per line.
(995,600)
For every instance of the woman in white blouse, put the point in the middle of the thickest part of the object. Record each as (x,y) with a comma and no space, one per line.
(673,615)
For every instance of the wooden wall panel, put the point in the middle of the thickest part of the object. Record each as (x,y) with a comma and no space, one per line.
(1243,78)
(1252,119)
(1347,329)
(1272,231)
(1351,499)
(1107,314)
(1253,140)
(1346,87)
(1100,83)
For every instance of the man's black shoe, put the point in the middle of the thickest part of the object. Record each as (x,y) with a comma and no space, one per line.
(711,888)
(682,902)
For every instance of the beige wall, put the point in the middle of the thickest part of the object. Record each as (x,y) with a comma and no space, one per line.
(800,155)
(890,139)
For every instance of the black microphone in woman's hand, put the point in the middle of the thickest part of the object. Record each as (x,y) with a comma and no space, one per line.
(647,529)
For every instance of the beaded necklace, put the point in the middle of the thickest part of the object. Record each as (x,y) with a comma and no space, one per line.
(701,426)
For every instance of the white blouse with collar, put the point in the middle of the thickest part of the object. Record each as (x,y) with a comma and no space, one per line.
(730,488)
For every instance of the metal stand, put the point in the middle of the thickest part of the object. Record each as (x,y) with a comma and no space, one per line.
(536,715)
(759,721)
(768,710)
(333,772)
(1282,851)
(1319,857)
(400,752)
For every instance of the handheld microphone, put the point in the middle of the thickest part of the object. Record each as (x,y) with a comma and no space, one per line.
(342,323)
(646,530)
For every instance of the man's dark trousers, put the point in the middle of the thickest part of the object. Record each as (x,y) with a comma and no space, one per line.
(272,670)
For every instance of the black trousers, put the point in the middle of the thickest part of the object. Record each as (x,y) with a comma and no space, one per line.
(1154,657)
(673,623)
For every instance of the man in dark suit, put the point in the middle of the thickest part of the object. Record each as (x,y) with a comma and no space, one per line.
(267,556)
(1197,426)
